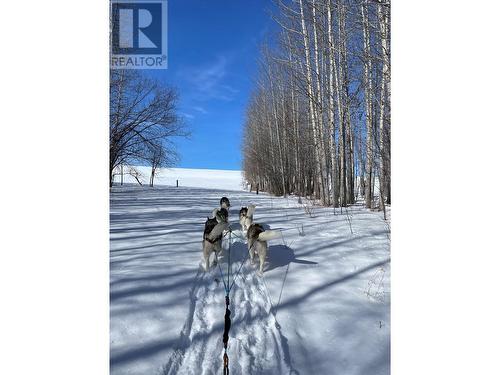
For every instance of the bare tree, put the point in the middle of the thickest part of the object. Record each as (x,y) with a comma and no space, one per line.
(307,131)
(159,156)
(135,173)
(383,17)
(367,76)
(142,114)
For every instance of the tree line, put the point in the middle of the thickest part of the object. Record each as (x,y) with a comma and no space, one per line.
(143,120)
(318,119)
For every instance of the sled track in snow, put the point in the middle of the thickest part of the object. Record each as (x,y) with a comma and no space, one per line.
(256,344)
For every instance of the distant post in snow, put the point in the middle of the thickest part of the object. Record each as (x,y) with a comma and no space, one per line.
(176,183)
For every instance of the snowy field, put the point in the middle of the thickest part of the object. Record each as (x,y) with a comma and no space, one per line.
(212,178)
(321,307)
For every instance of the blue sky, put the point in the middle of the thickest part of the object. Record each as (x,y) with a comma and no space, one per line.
(212,51)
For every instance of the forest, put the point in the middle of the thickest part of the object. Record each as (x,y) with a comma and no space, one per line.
(318,121)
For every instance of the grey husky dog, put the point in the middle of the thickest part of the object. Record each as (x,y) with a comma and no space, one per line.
(246,217)
(257,242)
(212,236)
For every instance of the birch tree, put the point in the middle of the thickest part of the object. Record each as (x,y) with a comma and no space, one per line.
(368,92)
(318,122)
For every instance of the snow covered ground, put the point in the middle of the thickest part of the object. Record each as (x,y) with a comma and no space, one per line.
(322,306)
(209,178)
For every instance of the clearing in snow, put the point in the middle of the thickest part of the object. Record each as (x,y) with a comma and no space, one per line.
(321,307)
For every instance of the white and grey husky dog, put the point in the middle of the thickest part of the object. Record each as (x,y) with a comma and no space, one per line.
(257,242)
(212,236)
(246,217)
(224,203)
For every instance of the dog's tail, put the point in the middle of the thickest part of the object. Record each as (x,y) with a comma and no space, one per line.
(269,235)
(217,231)
(251,210)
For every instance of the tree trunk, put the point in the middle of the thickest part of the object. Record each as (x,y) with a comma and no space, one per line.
(385,68)
(151,179)
(110,176)
(311,96)
(319,113)
(331,113)
(368,105)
